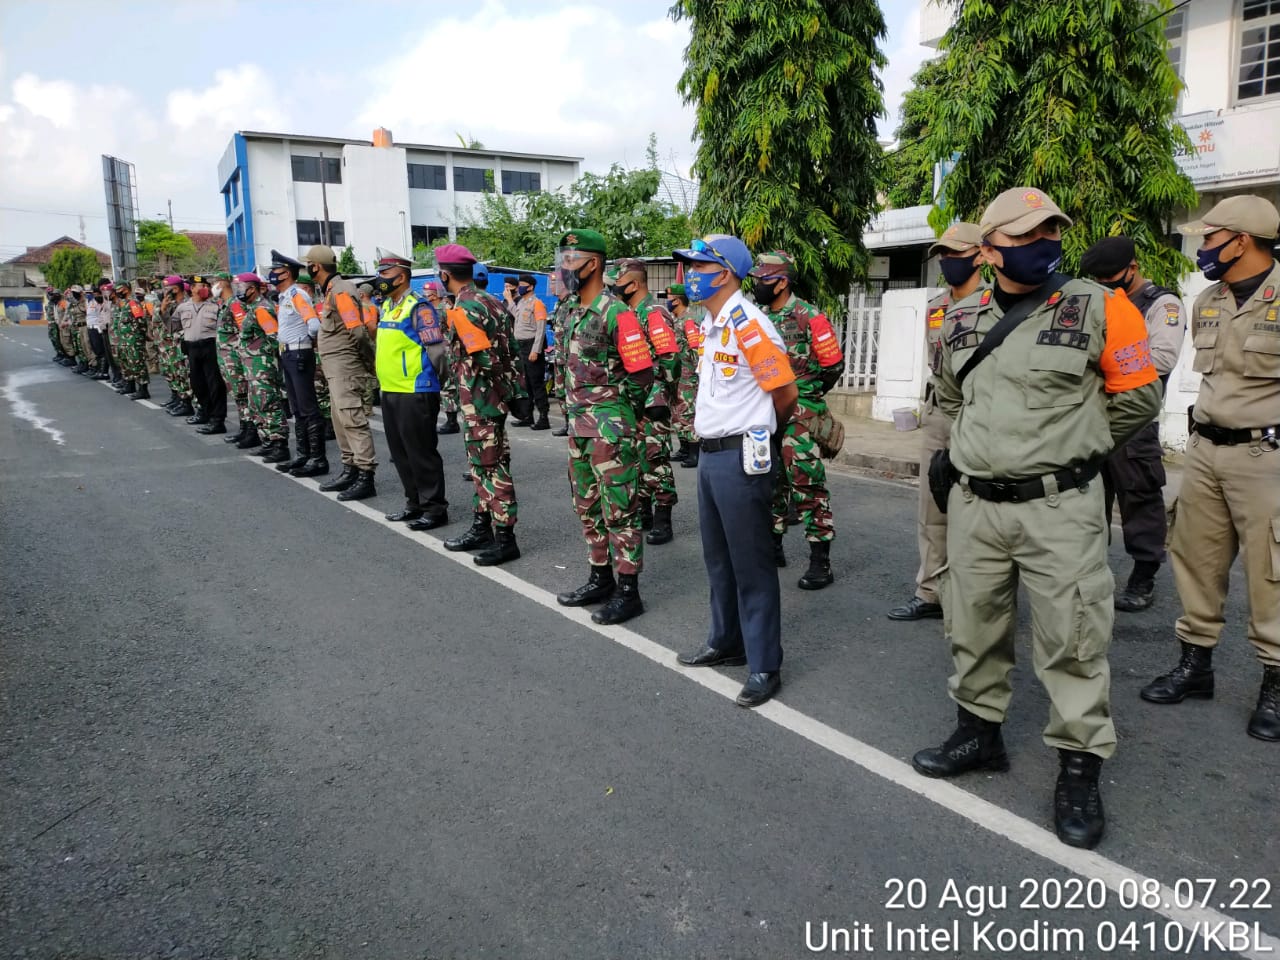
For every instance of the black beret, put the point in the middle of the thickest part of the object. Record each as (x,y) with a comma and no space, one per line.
(1107,257)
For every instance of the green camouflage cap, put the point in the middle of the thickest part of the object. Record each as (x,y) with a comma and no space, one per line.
(631,265)
(611,275)
(588,241)
(222,276)
(775,263)
(305,278)
(677,290)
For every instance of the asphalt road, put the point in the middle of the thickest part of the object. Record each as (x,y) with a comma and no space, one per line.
(239,719)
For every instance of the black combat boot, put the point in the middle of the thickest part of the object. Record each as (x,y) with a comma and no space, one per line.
(679,455)
(361,488)
(239,434)
(80,367)
(212,428)
(599,587)
(1140,591)
(624,604)
(661,532)
(123,386)
(646,514)
(819,574)
(1192,677)
(317,464)
(450,423)
(976,744)
(479,535)
(561,431)
(103,373)
(1265,722)
(200,416)
(503,548)
(542,423)
(143,392)
(275,451)
(343,480)
(779,552)
(691,458)
(304,452)
(182,408)
(1077,803)
(250,439)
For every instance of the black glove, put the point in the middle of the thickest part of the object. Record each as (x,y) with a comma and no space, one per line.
(660,414)
(941,477)
(829,377)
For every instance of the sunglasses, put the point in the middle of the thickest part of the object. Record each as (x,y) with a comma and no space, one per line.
(701,246)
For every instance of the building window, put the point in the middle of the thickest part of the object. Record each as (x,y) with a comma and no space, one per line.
(309,233)
(307,169)
(477,179)
(1175,31)
(517,181)
(427,235)
(427,176)
(1259,50)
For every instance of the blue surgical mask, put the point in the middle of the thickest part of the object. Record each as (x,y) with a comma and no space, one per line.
(1209,264)
(522,289)
(698,285)
(1031,264)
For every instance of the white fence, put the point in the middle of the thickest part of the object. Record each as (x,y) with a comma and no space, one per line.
(860,337)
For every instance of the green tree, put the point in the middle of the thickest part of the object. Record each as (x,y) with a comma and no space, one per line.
(906,177)
(347,262)
(162,250)
(72,265)
(787,99)
(1075,97)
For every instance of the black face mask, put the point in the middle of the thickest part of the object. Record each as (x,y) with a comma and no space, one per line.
(626,293)
(957,270)
(1120,284)
(767,292)
(382,286)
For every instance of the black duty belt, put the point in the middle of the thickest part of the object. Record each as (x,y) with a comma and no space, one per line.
(1020,491)
(1224,437)
(716,444)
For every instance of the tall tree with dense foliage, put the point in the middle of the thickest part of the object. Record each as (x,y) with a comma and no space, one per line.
(72,265)
(161,249)
(347,262)
(787,98)
(1076,97)
(906,177)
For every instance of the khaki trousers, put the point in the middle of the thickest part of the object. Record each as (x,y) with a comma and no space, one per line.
(347,381)
(931,523)
(1229,504)
(1057,547)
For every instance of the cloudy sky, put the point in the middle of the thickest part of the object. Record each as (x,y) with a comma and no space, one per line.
(165,84)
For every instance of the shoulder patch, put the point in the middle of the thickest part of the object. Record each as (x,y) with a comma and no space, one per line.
(986,297)
(1269,293)
(935,317)
(738,316)
(1054,298)
(1172,314)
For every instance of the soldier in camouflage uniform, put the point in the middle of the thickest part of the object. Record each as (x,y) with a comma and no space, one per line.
(816,362)
(230,316)
(51,309)
(64,326)
(75,326)
(173,362)
(555,355)
(448,383)
(609,381)
(689,335)
(155,330)
(151,343)
(484,365)
(657,483)
(130,320)
(260,356)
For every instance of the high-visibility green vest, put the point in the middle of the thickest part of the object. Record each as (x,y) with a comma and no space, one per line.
(401,358)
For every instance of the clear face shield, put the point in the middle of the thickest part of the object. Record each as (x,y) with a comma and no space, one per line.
(573,267)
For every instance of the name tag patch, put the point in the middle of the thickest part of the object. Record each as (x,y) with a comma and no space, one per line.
(1064,338)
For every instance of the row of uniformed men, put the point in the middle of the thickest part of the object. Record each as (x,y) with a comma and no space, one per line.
(1041,383)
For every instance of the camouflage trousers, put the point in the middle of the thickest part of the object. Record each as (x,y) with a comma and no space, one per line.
(231,366)
(155,343)
(686,402)
(264,387)
(803,481)
(657,482)
(604,477)
(54,339)
(556,389)
(489,456)
(449,388)
(322,389)
(132,347)
(173,365)
(80,341)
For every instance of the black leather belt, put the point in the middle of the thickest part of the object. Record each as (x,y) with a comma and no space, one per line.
(1223,437)
(1020,491)
(716,444)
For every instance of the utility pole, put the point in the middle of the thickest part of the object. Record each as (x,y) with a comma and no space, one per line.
(170,216)
(82,240)
(324,197)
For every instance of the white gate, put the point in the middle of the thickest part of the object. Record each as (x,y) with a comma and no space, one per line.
(860,337)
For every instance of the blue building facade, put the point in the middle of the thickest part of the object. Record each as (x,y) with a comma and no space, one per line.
(233,177)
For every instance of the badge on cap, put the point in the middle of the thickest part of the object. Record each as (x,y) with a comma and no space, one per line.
(1033,200)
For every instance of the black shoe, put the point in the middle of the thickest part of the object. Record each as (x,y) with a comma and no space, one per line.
(542,423)
(1265,721)
(661,532)
(479,534)
(680,455)
(182,409)
(276,451)
(1137,595)
(599,587)
(976,744)
(199,417)
(317,464)
(759,688)
(503,548)
(250,439)
(624,604)
(916,609)
(1192,677)
(362,489)
(126,387)
(430,522)
(561,431)
(711,657)
(450,424)
(343,480)
(691,458)
(239,434)
(314,467)
(403,515)
(779,552)
(526,422)
(80,367)
(646,514)
(212,427)
(819,574)
(1077,803)
(141,393)
(468,478)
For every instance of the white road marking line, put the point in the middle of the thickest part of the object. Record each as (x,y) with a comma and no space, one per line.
(1003,823)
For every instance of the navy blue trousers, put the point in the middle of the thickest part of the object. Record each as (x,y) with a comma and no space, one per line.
(736,519)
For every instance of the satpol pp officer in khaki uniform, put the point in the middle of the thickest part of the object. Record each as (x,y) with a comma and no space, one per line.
(1230,498)
(959,259)
(1044,377)
(1134,474)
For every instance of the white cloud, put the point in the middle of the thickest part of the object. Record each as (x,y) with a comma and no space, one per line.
(905,56)
(240,98)
(52,100)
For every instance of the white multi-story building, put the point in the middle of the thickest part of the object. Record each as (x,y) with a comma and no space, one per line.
(276,188)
